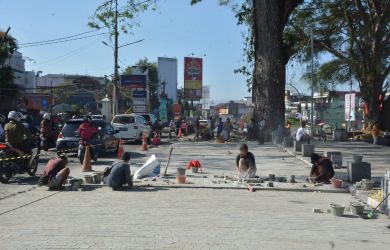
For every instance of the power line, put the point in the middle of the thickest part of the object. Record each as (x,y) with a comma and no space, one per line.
(63,41)
(62,38)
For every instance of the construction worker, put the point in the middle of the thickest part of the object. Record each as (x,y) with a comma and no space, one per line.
(322,168)
(245,163)
(119,173)
(15,132)
(55,173)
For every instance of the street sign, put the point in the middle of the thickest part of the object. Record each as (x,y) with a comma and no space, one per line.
(139,101)
(45,104)
(133,81)
(139,109)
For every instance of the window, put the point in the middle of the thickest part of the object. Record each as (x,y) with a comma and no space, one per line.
(123,119)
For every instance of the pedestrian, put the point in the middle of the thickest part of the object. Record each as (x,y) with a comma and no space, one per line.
(228,127)
(219,127)
(171,128)
(375,133)
(55,173)
(197,129)
(119,173)
(301,135)
(288,129)
(322,168)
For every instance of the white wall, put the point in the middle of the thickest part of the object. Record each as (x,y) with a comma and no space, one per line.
(167,71)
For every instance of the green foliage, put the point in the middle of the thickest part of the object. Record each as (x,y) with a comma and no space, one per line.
(8,46)
(355,33)
(104,16)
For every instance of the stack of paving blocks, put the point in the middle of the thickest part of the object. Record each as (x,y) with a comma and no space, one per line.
(288,142)
(297,146)
(336,158)
(358,171)
(307,150)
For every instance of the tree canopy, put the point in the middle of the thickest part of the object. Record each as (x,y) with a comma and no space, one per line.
(357,36)
(8,46)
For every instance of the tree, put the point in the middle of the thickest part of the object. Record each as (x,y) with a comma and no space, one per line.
(8,46)
(267,54)
(356,34)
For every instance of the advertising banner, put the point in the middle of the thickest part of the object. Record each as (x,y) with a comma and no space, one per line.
(139,109)
(350,107)
(133,81)
(139,94)
(193,77)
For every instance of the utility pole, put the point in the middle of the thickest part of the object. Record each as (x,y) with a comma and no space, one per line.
(116,73)
(350,105)
(312,83)
(51,95)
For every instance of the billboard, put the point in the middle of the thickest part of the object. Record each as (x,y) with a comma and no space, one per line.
(133,81)
(193,78)
(167,74)
(350,107)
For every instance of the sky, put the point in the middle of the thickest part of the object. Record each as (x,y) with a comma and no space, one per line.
(174,29)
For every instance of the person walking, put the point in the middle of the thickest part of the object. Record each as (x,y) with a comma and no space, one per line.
(228,127)
(119,173)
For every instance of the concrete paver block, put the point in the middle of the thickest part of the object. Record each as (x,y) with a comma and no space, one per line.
(358,171)
(307,149)
(297,146)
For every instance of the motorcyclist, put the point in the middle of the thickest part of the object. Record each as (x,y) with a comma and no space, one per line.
(2,121)
(47,126)
(15,132)
(88,132)
(28,123)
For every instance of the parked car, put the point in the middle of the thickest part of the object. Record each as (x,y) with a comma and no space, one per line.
(68,139)
(130,126)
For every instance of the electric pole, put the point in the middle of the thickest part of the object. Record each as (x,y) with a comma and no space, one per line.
(116,73)
(312,83)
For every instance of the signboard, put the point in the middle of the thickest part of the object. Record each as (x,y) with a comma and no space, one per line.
(350,107)
(163,111)
(133,81)
(139,109)
(193,77)
(45,104)
(139,94)
(223,111)
(139,101)
(176,108)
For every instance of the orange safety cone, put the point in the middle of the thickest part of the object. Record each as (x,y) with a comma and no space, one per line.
(87,165)
(180,133)
(120,149)
(144,144)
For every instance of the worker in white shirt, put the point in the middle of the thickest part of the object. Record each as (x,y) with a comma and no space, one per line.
(301,134)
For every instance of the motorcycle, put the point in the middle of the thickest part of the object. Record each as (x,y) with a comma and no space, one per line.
(81,151)
(13,162)
(47,141)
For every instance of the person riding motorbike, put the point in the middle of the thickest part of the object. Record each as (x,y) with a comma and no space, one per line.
(2,121)
(88,132)
(28,123)
(47,126)
(15,132)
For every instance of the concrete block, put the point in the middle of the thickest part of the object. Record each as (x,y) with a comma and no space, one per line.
(288,142)
(358,171)
(307,149)
(298,146)
(337,160)
(330,153)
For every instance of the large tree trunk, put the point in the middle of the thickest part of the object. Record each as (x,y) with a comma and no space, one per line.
(269,69)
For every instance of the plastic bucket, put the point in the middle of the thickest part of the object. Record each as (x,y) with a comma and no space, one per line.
(336,183)
(357,158)
(336,210)
(181,171)
(181,179)
(195,170)
(357,209)
(76,185)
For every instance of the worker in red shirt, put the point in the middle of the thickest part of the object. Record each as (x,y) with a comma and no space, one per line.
(55,173)
(86,130)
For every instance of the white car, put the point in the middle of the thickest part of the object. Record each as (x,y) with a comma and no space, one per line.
(130,126)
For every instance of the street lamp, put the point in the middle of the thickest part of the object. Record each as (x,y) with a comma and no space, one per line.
(116,67)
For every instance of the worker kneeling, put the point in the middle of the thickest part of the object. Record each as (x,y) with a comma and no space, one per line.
(119,173)
(322,168)
(55,173)
(245,163)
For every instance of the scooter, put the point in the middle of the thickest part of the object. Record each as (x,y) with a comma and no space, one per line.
(81,151)
(13,161)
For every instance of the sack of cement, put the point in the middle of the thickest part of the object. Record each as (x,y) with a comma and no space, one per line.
(149,169)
